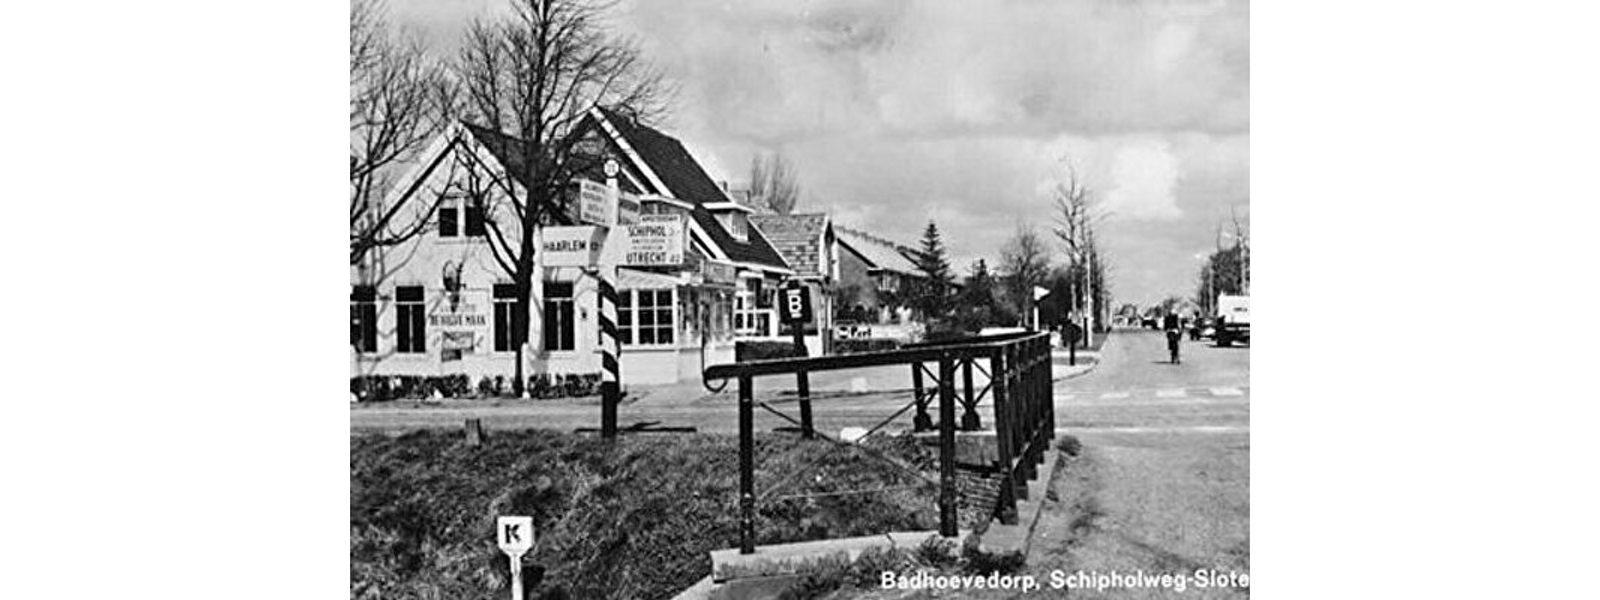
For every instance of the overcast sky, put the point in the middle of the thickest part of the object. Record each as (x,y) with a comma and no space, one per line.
(897,112)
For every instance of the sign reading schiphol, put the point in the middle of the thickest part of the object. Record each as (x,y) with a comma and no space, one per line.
(570,246)
(655,241)
(794,304)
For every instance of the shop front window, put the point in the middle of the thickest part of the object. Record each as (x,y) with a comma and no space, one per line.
(646,317)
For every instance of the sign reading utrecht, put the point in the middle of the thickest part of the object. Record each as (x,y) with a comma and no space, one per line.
(655,241)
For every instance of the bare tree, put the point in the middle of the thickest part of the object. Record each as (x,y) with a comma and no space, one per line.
(1024,264)
(773,180)
(1076,218)
(400,99)
(533,76)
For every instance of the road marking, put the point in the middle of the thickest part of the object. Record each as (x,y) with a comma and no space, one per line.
(1171,393)
(1226,391)
(1114,395)
(1189,429)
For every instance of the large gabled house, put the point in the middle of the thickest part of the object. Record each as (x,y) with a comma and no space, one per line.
(808,244)
(440,304)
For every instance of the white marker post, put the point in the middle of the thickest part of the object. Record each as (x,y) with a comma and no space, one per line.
(515,536)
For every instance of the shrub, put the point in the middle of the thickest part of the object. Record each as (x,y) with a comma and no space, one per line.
(744,351)
(1070,445)
(859,345)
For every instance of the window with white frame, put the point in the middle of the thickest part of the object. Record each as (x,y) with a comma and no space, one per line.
(411,326)
(647,317)
(364,318)
(560,330)
(505,315)
(461,217)
(753,314)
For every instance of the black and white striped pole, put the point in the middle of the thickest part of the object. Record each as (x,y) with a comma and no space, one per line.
(610,350)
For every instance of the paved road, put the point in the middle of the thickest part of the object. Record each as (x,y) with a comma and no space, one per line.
(1163,485)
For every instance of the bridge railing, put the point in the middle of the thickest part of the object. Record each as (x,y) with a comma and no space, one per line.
(1019,382)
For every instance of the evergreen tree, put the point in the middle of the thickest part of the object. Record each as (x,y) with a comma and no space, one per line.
(932,297)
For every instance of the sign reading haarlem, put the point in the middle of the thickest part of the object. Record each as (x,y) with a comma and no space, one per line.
(655,241)
(794,304)
(569,246)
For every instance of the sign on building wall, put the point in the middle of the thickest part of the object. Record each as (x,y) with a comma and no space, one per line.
(655,241)
(462,324)
(719,273)
(570,246)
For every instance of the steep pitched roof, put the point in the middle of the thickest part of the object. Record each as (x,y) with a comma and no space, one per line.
(878,252)
(687,181)
(797,237)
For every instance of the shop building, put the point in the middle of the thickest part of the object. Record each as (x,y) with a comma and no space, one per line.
(442,304)
(808,244)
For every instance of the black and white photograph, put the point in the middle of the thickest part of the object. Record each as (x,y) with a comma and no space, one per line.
(819,299)
(798,299)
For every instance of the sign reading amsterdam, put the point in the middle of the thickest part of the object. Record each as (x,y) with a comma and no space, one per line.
(598,205)
(569,246)
(655,241)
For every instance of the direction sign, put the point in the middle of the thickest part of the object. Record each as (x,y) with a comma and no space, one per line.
(794,304)
(569,246)
(596,204)
(627,208)
(655,241)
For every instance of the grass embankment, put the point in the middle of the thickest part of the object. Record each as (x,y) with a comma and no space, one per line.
(634,518)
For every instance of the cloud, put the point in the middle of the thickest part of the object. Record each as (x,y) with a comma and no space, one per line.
(898,111)
(1143,179)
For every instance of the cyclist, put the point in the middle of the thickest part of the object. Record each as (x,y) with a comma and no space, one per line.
(1174,328)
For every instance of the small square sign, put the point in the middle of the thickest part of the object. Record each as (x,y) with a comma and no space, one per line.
(514,534)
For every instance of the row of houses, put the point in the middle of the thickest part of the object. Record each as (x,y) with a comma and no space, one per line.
(441,304)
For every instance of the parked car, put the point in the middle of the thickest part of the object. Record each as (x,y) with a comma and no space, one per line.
(1203,328)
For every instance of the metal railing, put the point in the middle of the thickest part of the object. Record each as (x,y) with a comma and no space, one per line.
(1018,368)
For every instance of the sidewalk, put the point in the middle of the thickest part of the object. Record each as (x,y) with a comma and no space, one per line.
(869,380)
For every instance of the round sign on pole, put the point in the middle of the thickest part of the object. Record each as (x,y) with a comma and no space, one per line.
(612,168)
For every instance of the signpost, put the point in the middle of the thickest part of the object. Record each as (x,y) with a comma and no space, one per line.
(515,537)
(794,310)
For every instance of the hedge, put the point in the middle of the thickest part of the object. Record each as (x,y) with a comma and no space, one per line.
(375,388)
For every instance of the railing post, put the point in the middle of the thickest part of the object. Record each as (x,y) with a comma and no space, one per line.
(803,381)
(1019,414)
(969,416)
(921,421)
(947,446)
(747,468)
(1002,435)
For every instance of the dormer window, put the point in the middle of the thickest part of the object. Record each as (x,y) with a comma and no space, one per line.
(737,224)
